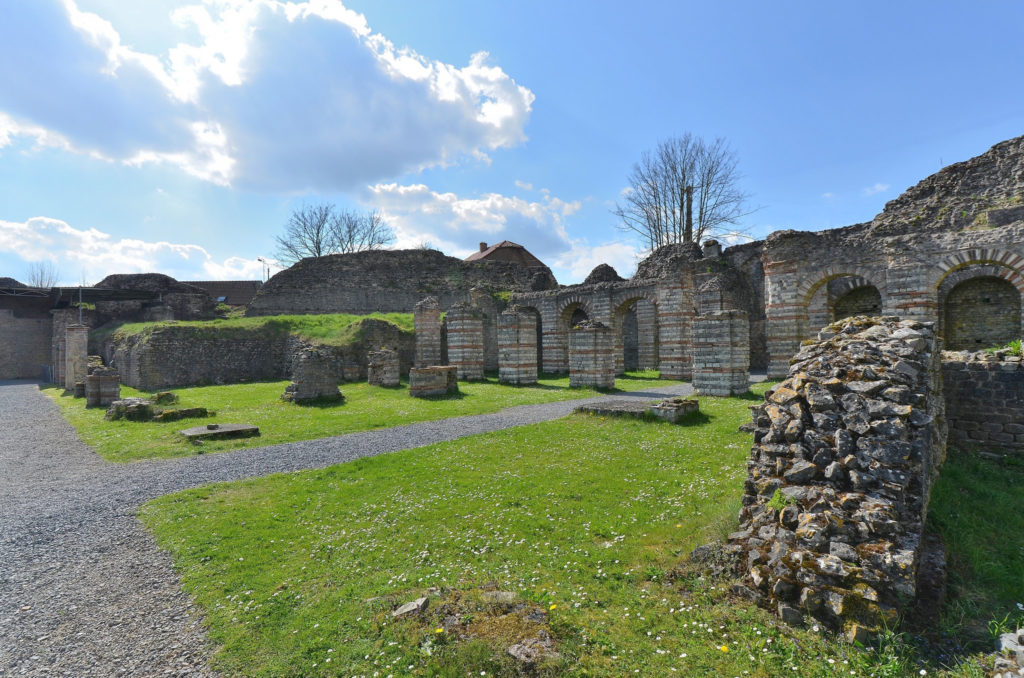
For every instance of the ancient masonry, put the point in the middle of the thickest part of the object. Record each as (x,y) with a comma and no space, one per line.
(985,401)
(845,451)
(517,347)
(439,380)
(383,368)
(721,353)
(427,323)
(466,341)
(591,357)
(313,377)
(102,387)
(76,347)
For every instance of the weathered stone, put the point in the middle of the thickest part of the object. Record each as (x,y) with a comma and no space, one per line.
(426,382)
(412,607)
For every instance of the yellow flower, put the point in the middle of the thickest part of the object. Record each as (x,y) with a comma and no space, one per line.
(553,606)
(679,524)
(724,648)
(438,630)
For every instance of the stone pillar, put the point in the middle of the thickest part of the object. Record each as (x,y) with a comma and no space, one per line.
(554,338)
(483,300)
(427,382)
(382,368)
(675,315)
(76,346)
(427,324)
(58,360)
(102,387)
(591,355)
(517,347)
(647,335)
(786,316)
(466,341)
(721,353)
(314,377)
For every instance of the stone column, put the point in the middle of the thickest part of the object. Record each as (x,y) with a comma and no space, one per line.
(466,341)
(314,376)
(517,347)
(721,353)
(76,347)
(427,324)
(102,387)
(591,355)
(675,314)
(647,335)
(382,368)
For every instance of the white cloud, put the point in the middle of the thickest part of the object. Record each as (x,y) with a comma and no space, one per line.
(526,186)
(92,254)
(876,188)
(273,95)
(828,196)
(456,224)
(583,258)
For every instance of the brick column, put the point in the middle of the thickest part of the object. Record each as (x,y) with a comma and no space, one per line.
(591,355)
(675,314)
(427,324)
(786,316)
(382,368)
(76,347)
(721,353)
(517,347)
(466,341)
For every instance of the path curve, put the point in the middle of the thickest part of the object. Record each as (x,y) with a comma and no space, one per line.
(84,590)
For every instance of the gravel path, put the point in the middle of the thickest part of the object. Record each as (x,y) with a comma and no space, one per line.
(84,591)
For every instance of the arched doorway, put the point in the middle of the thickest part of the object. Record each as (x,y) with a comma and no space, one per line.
(981,312)
(864,300)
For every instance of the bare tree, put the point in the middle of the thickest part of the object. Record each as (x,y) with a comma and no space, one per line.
(355,232)
(42,274)
(666,184)
(319,230)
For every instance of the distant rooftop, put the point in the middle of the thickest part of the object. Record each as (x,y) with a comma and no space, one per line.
(506,250)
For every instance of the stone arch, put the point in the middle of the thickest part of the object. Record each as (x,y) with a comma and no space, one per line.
(815,299)
(635,326)
(568,307)
(813,282)
(979,306)
(853,295)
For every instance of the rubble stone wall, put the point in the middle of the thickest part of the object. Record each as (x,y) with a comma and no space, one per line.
(839,477)
(985,401)
(315,375)
(721,353)
(437,380)
(383,368)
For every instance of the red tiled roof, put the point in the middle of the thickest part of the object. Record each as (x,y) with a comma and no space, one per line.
(506,250)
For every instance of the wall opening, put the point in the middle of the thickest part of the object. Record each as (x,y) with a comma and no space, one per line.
(865,300)
(981,313)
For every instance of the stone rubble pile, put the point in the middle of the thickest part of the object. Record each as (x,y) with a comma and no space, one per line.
(845,450)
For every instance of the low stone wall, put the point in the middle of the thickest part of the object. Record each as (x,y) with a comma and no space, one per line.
(102,387)
(466,341)
(591,356)
(382,368)
(985,401)
(437,380)
(839,478)
(172,356)
(517,347)
(721,353)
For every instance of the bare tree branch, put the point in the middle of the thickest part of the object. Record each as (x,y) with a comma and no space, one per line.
(685,191)
(42,274)
(321,229)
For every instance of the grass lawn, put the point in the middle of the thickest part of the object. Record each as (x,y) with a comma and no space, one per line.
(366,407)
(584,521)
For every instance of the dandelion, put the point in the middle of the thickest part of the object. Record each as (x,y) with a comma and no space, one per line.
(552,606)
(438,630)
(724,648)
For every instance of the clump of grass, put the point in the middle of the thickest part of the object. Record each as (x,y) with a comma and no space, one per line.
(1014,348)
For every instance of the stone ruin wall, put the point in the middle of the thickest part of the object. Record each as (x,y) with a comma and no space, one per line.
(175,356)
(388,281)
(591,356)
(985,401)
(721,353)
(845,452)
(465,325)
(517,347)
(383,368)
(25,341)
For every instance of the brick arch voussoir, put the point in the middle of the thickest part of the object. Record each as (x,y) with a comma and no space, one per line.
(814,282)
(576,300)
(979,263)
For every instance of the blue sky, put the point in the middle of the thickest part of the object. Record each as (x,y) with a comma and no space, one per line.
(178,136)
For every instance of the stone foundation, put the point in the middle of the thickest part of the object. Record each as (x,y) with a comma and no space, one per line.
(427,322)
(721,353)
(314,376)
(985,401)
(382,368)
(845,451)
(591,356)
(517,347)
(466,341)
(76,354)
(438,380)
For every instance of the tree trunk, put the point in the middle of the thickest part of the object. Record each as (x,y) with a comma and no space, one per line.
(688,233)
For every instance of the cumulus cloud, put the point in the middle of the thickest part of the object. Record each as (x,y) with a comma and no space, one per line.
(876,188)
(582,258)
(456,224)
(93,254)
(281,96)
